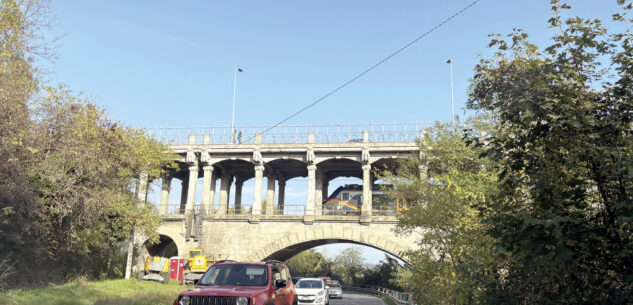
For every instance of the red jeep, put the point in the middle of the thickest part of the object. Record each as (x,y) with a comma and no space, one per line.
(237,283)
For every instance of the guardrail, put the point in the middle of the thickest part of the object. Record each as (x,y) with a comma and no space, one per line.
(291,209)
(396,296)
(287,134)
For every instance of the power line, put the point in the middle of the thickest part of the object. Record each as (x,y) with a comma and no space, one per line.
(371,68)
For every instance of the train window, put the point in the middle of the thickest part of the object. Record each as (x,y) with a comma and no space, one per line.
(346,196)
(356,199)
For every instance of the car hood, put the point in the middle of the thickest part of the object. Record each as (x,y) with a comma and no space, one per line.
(225,290)
(308,291)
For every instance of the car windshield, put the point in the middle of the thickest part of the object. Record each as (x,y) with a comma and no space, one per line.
(333,283)
(235,275)
(309,284)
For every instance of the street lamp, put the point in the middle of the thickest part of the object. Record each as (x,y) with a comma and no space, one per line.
(237,69)
(450,62)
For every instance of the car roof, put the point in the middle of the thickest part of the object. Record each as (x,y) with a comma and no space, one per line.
(311,278)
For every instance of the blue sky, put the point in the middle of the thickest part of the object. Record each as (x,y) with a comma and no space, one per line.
(166,64)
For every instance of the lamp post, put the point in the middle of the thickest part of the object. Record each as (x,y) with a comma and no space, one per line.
(237,69)
(450,62)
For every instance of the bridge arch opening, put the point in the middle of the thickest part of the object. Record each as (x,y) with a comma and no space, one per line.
(165,247)
(286,253)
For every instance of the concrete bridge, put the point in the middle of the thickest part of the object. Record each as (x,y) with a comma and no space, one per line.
(267,228)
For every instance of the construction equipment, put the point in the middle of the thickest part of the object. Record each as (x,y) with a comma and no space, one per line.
(156,269)
(197,265)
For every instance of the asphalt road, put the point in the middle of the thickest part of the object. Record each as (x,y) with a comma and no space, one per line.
(356,298)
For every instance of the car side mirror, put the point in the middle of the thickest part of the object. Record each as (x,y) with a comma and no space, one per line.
(327,287)
(195,282)
(281,283)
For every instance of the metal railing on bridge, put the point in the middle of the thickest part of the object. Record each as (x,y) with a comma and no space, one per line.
(404,298)
(288,209)
(287,134)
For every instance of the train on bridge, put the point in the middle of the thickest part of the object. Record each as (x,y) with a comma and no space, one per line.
(348,199)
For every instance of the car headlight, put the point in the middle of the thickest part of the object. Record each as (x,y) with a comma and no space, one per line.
(322,292)
(242,301)
(184,300)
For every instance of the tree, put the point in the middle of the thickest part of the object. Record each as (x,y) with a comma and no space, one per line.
(348,265)
(562,135)
(383,275)
(67,172)
(308,264)
(442,186)
(20,44)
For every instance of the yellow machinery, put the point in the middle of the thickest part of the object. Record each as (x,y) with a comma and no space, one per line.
(156,269)
(197,265)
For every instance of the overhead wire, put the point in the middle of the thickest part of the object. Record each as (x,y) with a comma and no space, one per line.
(370,68)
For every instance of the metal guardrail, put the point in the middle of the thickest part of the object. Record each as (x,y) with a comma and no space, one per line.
(291,209)
(287,134)
(288,209)
(396,296)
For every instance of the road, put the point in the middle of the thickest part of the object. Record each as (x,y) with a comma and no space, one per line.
(356,298)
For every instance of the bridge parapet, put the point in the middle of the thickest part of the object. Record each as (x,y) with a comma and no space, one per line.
(287,134)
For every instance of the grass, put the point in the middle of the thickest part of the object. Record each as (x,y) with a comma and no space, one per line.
(112,292)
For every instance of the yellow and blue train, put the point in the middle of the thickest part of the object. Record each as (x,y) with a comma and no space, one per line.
(348,199)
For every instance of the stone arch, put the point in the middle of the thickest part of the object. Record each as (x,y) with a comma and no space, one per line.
(218,160)
(341,167)
(275,157)
(288,168)
(320,159)
(166,247)
(294,243)
(236,166)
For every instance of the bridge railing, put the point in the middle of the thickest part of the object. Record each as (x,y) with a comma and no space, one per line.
(289,134)
(404,298)
(291,209)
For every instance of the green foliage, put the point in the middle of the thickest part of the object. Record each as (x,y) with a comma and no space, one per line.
(348,266)
(563,140)
(308,264)
(442,185)
(67,172)
(383,275)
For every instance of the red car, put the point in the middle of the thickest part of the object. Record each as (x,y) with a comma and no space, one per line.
(238,283)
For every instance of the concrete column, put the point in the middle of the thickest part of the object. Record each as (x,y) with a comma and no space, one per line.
(206,188)
(238,195)
(214,178)
(191,189)
(141,192)
(318,193)
(184,187)
(310,205)
(225,188)
(142,187)
(281,196)
(367,184)
(270,196)
(326,184)
(164,195)
(257,196)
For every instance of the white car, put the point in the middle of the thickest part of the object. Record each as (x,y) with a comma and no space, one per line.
(312,291)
